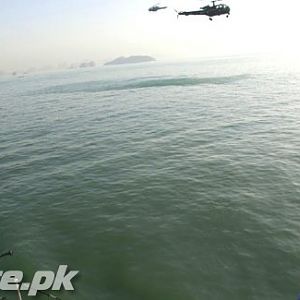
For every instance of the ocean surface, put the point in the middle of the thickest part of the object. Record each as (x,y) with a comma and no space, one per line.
(155,181)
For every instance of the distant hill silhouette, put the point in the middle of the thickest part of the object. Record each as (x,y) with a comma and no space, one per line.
(130,60)
(90,64)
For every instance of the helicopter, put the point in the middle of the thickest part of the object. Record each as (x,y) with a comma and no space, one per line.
(209,10)
(156,7)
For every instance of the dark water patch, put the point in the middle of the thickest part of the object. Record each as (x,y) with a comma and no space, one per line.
(151,82)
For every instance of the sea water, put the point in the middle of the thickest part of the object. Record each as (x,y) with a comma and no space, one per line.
(155,181)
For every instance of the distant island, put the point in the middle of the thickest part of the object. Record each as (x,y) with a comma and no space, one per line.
(89,64)
(130,60)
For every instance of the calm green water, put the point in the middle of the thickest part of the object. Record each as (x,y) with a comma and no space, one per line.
(157,182)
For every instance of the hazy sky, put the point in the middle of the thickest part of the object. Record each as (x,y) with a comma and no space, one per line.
(36,33)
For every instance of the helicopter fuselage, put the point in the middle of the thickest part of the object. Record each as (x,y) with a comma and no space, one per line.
(156,8)
(210,11)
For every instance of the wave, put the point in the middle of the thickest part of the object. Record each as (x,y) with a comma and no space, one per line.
(139,83)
